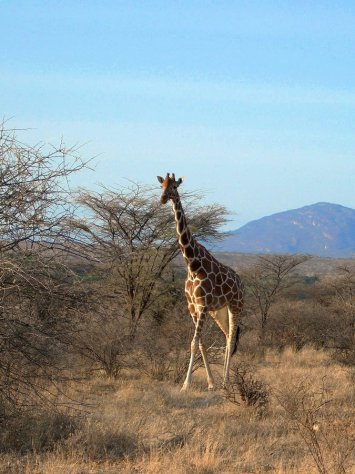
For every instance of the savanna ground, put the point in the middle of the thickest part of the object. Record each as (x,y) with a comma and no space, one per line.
(138,425)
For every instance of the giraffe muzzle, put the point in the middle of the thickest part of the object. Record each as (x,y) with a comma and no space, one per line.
(164,199)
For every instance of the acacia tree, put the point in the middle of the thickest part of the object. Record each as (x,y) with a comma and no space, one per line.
(266,280)
(134,238)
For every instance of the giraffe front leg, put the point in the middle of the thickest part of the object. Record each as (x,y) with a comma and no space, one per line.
(194,346)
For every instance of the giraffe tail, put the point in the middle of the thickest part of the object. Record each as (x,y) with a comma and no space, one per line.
(236,340)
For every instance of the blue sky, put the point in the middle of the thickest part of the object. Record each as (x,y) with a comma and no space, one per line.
(251,101)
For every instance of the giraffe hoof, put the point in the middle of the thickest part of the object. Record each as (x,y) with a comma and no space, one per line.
(184,388)
(211,388)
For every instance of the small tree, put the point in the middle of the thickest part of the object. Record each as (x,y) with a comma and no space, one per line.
(266,280)
(134,239)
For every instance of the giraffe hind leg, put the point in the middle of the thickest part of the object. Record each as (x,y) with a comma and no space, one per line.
(236,340)
(210,380)
(232,341)
(222,319)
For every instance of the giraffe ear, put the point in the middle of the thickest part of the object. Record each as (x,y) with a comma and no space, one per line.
(160,179)
(180,180)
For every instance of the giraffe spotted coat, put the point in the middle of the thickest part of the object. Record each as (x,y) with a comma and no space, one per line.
(211,287)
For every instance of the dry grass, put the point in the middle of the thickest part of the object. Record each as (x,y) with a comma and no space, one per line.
(137,425)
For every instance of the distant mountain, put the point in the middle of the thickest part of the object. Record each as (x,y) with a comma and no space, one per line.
(322,229)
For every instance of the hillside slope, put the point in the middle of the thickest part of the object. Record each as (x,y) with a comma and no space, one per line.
(322,229)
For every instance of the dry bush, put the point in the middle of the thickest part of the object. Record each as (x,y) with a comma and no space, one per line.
(100,339)
(345,356)
(329,442)
(342,304)
(37,430)
(39,299)
(265,281)
(308,311)
(98,442)
(245,386)
(300,323)
(160,354)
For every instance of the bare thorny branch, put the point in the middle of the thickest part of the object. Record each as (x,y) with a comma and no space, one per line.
(34,192)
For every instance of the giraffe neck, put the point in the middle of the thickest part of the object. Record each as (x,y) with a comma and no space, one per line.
(187,243)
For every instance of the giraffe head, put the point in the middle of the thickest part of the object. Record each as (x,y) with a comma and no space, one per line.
(169,186)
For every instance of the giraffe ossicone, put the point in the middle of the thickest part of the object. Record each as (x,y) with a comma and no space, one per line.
(210,288)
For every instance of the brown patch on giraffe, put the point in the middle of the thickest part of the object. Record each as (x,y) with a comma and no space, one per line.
(214,267)
(212,278)
(207,285)
(199,291)
(208,299)
(181,226)
(201,274)
(195,265)
(222,300)
(229,297)
(225,288)
(184,238)
(189,251)
(202,251)
(206,264)
(219,279)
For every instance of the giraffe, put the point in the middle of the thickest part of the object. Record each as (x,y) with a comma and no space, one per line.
(210,288)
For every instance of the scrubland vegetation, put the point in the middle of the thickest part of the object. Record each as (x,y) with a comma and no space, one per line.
(95,337)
